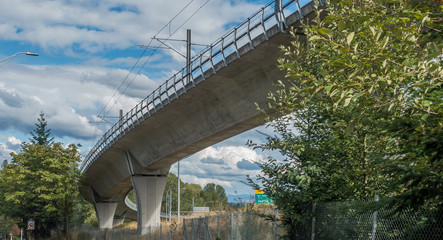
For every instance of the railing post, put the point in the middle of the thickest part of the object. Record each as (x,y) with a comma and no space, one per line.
(279,16)
(201,68)
(263,23)
(299,9)
(222,51)
(212,61)
(235,42)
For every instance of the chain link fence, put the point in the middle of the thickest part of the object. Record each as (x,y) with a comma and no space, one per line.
(330,221)
(348,221)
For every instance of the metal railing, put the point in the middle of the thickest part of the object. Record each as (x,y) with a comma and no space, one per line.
(229,47)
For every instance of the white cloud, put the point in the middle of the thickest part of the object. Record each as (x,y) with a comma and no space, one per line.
(14,141)
(67,95)
(86,51)
(97,25)
(8,144)
(221,165)
(203,181)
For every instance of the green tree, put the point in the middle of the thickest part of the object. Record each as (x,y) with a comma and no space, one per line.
(41,135)
(41,182)
(6,222)
(360,111)
(191,192)
(214,196)
(188,192)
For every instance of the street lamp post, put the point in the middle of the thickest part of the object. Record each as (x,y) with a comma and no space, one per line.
(6,60)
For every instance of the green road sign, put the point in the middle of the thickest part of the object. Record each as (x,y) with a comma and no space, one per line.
(261,198)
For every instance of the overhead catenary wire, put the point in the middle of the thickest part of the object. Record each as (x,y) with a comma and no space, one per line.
(105,112)
(158,47)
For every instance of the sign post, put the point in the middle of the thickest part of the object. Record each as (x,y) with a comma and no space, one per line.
(31,225)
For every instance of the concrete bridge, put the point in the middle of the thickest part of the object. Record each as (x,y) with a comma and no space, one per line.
(214,101)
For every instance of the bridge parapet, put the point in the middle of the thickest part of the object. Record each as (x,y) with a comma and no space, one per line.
(248,34)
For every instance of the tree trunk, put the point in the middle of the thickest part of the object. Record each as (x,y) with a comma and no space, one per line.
(67,226)
(58,229)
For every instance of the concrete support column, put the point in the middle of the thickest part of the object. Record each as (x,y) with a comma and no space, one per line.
(119,219)
(149,192)
(105,213)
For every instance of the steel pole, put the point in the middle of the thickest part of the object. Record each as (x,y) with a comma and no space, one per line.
(178,194)
(188,55)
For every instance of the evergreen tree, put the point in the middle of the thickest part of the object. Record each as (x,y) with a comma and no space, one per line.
(40,135)
(5,163)
(41,183)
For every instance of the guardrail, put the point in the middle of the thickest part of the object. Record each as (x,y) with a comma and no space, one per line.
(207,63)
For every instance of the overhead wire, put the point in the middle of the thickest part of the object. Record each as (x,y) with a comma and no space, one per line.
(141,56)
(167,38)
(147,60)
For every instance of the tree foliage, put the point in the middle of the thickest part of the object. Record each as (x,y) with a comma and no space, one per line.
(41,183)
(360,112)
(212,195)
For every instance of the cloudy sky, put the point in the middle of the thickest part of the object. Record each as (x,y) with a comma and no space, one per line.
(86,51)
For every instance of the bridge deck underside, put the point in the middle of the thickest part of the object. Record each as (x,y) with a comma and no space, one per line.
(219,107)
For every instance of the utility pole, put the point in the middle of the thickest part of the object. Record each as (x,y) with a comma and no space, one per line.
(188,50)
(188,80)
(188,54)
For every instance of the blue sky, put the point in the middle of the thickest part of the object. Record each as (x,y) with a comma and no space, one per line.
(86,50)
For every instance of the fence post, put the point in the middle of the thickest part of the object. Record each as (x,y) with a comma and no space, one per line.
(232,226)
(184,229)
(149,232)
(249,226)
(313,221)
(374,220)
(208,235)
(275,224)
(218,225)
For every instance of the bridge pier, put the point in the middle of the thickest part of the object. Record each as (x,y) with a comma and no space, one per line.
(149,193)
(105,213)
(119,219)
(148,188)
(104,209)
